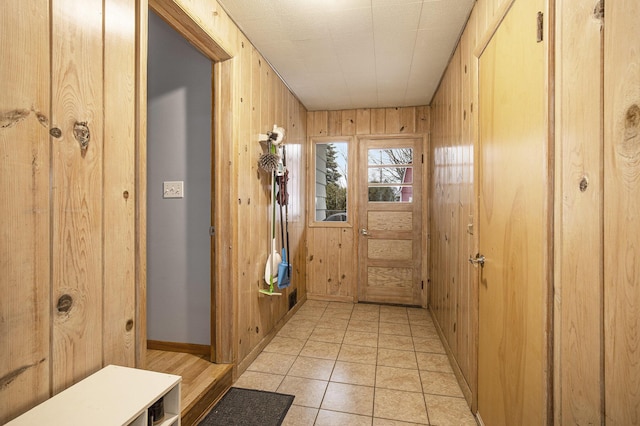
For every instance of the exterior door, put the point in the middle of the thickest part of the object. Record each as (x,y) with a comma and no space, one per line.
(390,220)
(513,223)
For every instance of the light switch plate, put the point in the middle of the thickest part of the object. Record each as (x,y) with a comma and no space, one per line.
(173,189)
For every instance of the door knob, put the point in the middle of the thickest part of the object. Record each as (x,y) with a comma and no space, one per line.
(478,260)
(364,232)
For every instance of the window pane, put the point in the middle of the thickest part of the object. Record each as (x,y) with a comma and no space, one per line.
(391,194)
(331,181)
(396,175)
(388,156)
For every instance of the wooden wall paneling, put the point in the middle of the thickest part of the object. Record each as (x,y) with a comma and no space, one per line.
(25,244)
(453,196)
(422,120)
(469,314)
(225,297)
(465,317)
(378,121)
(271,95)
(318,265)
(392,120)
(457,234)
(296,140)
(281,106)
(142,22)
(266,303)
(445,215)
(426,255)
(435,200)
(440,215)
(621,206)
(320,124)
(335,123)
(579,299)
(310,260)
(77,190)
(257,245)
(298,215)
(407,120)
(310,121)
(363,121)
(283,117)
(119,301)
(311,126)
(349,119)
(348,269)
(333,264)
(443,222)
(440,222)
(247,260)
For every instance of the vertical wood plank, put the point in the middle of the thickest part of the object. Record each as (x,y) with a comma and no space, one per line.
(378,121)
(392,120)
(455,178)
(333,251)
(265,303)
(621,206)
(254,280)
(311,279)
(335,123)
(77,191)
(466,319)
(142,20)
(320,123)
(348,270)
(407,120)
(247,136)
(319,262)
(578,216)
(363,121)
(348,122)
(119,174)
(225,298)
(422,119)
(24,206)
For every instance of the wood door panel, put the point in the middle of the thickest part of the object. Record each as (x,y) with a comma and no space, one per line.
(392,277)
(513,223)
(380,249)
(390,221)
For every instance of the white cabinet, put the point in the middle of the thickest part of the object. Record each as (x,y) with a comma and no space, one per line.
(112,396)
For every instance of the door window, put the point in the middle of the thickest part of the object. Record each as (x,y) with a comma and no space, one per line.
(390,175)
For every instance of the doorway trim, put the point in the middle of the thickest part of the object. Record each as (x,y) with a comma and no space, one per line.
(221,283)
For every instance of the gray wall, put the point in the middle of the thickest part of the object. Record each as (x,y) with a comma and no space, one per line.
(179,141)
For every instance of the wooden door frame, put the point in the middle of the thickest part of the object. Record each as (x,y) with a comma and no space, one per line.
(424,204)
(221,284)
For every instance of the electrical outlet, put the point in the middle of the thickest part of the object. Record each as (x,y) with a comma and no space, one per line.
(173,189)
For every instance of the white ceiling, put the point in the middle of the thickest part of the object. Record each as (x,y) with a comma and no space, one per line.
(345,54)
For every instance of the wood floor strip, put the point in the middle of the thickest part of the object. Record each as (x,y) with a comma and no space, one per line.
(203,382)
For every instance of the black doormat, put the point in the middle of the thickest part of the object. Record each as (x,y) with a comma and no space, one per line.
(249,407)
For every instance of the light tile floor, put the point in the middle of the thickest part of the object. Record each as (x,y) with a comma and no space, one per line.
(360,364)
